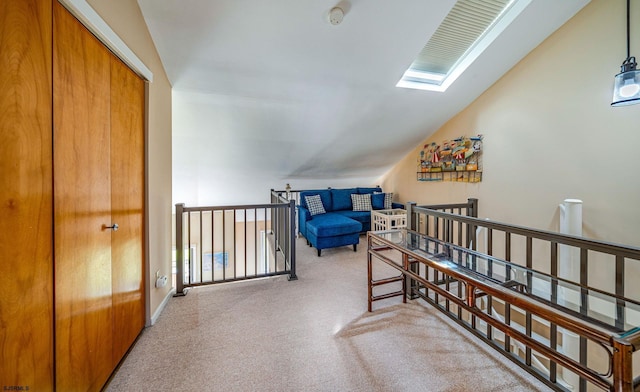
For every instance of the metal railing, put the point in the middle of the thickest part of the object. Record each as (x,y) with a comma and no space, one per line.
(230,243)
(283,224)
(288,196)
(445,229)
(563,354)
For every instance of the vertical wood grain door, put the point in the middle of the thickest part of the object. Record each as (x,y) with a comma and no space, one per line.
(26,260)
(127,206)
(82,206)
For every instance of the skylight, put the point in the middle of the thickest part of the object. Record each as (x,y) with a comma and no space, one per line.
(468,29)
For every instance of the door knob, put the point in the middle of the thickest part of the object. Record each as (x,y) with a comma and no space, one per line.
(114,227)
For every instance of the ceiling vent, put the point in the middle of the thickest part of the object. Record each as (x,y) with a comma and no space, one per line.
(463,35)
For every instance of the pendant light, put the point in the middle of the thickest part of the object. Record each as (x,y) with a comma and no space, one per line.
(626,89)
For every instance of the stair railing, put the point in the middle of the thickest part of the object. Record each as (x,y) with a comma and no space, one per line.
(605,296)
(230,243)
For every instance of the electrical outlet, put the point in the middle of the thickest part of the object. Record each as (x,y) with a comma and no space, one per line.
(161,281)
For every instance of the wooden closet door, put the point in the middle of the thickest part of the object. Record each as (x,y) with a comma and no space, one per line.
(26,260)
(82,206)
(127,206)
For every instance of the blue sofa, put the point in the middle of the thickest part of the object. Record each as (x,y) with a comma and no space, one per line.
(339,225)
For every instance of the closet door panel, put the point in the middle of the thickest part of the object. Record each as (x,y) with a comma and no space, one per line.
(82,206)
(127,205)
(26,260)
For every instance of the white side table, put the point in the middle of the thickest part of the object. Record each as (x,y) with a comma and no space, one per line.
(388,219)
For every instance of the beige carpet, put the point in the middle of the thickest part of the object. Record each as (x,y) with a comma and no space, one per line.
(313,334)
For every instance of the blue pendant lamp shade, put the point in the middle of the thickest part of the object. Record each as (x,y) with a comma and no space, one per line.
(626,89)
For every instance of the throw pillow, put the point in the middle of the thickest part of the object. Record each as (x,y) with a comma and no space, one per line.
(388,199)
(361,202)
(315,205)
(377,201)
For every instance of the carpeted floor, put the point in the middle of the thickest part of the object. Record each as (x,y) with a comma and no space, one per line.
(313,334)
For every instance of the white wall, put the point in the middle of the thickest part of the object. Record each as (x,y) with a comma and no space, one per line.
(223,150)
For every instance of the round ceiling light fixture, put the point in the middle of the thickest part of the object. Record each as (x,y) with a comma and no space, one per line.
(336,15)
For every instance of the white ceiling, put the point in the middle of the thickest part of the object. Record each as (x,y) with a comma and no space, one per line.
(272,87)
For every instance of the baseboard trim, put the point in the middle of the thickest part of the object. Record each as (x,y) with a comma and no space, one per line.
(164,302)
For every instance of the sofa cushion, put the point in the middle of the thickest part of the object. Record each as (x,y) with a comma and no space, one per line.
(377,201)
(361,216)
(382,201)
(325,195)
(314,202)
(388,201)
(361,202)
(332,224)
(341,198)
(369,190)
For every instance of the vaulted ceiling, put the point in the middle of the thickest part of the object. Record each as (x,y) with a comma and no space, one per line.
(272,87)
